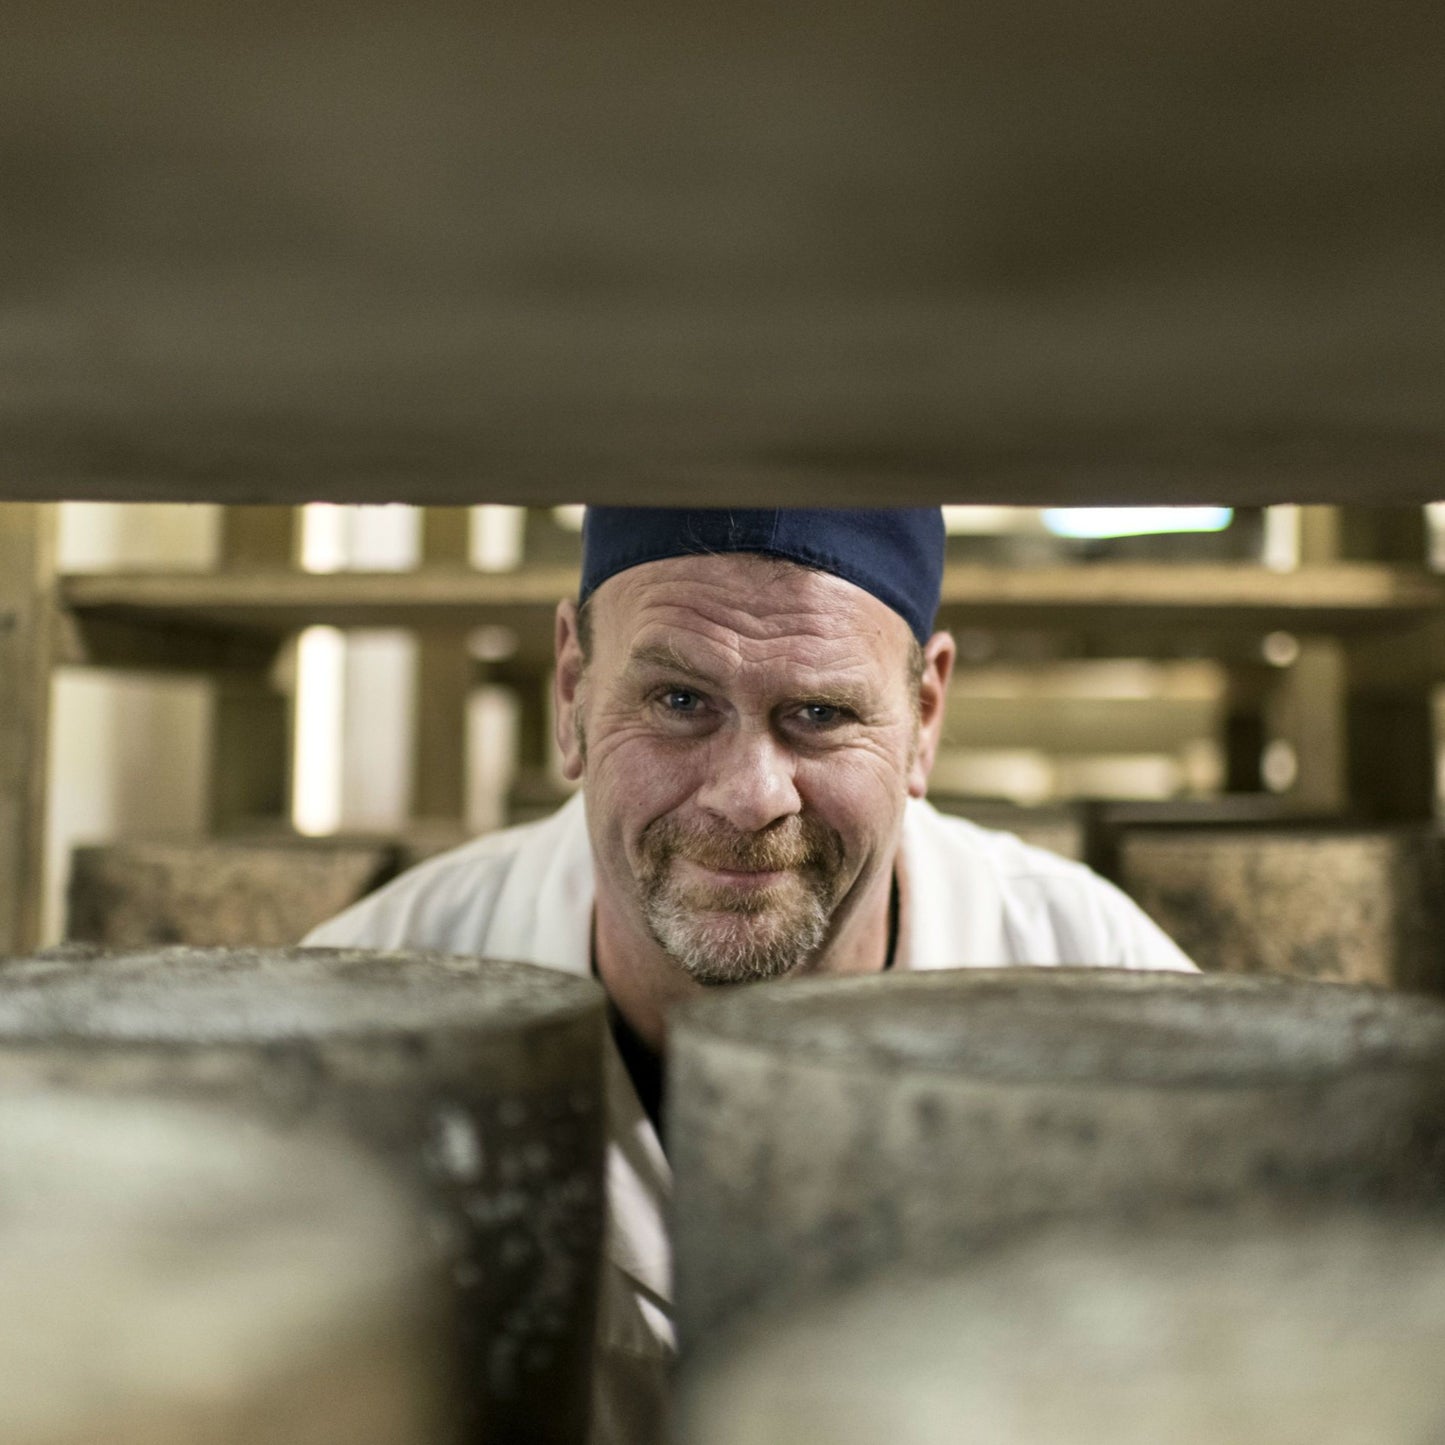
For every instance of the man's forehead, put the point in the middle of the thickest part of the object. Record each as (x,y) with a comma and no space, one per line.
(748,594)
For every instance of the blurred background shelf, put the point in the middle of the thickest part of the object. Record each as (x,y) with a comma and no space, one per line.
(381,676)
(101,616)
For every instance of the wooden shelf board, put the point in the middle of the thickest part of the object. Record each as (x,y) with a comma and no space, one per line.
(283,601)
(1344,597)
(1337,596)
(448,253)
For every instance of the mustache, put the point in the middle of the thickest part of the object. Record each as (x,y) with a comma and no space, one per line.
(794,844)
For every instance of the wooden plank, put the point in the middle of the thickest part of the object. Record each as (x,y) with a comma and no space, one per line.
(1346,595)
(1393,742)
(1329,595)
(1363,534)
(546,542)
(254,537)
(1243,731)
(278,601)
(27,559)
(250,778)
(1392,750)
(635,252)
(444,680)
(1385,702)
(1307,712)
(251,729)
(535,790)
(89,640)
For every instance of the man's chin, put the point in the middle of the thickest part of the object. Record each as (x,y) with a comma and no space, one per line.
(726,947)
(727,970)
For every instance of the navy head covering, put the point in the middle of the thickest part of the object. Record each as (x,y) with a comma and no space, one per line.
(896,553)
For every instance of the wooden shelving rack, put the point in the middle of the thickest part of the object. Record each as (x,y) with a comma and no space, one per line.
(1372,636)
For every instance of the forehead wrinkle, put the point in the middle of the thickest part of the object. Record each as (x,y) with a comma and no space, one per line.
(664,657)
(742,614)
(719,615)
(756,596)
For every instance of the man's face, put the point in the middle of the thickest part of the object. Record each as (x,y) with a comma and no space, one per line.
(748,732)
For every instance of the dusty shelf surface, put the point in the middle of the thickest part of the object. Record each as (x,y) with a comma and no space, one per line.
(795,252)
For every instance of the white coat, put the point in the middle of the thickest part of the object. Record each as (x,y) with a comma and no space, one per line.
(968,897)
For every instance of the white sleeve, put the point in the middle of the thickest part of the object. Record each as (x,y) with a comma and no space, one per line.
(1134,939)
(369,923)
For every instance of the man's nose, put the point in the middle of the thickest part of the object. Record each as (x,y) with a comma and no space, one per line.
(750,782)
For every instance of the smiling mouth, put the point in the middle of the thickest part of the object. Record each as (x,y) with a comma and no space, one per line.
(740,878)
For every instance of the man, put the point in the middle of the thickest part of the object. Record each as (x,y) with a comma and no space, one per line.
(752,700)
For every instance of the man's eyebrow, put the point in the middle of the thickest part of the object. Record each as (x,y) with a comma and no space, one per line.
(662,657)
(845,699)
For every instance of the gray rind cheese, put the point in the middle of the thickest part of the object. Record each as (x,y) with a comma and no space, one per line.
(180,1275)
(1339,905)
(478,1082)
(820,1130)
(1319,1332)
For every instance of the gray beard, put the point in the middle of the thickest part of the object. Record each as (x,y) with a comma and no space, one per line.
(722,947)
(718,936)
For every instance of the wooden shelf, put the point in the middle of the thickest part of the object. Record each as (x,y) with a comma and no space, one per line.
(282,601)
(216,619)
(449,253)
(1356,704)
(201,619)
(1339,596)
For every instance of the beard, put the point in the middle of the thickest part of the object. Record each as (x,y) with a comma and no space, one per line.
(722,935)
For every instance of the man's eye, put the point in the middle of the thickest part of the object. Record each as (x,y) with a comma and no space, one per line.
(679,699)
(822,714)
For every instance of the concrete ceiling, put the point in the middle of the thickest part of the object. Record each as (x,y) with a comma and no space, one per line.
(997,251)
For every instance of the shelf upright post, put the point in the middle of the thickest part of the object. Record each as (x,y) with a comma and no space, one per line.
(250,774)
(27,616)
(1379,687)
(444,681)
(535,790)
(1247,691)
(1391,714)
(1307,710)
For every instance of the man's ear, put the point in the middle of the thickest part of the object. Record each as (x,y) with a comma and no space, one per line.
(938,658)
(566,687)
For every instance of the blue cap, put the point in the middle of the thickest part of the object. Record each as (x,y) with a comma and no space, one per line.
(896,553)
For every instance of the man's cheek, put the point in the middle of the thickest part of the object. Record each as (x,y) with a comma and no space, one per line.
(650,775)
(619,740)
(858,786)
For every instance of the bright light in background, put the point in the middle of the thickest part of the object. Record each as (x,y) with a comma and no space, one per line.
(1435,523)
(323,538)
(976,521)
(371,539)
(334,539)
(497,534)
(1281,537)
(990,521)
(320,683)
(1134,521)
